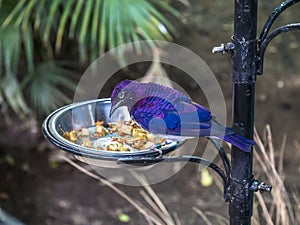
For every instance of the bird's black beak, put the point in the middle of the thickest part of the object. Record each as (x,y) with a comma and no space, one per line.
(112,110)
(114,107)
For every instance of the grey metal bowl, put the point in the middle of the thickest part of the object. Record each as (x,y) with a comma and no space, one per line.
(85,114)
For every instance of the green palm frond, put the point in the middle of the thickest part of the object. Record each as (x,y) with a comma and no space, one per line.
(95,25)
(48,85)
(13,95)
(10,91)
(119,22)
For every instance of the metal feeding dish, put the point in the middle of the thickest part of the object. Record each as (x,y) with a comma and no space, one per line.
(85,115)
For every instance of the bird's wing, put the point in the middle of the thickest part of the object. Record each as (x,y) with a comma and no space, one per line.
(177,118)
(166,93)
(190,119)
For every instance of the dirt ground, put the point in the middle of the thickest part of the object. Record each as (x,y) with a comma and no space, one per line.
(38,191)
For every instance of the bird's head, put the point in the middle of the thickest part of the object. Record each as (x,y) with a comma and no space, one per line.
(123,95)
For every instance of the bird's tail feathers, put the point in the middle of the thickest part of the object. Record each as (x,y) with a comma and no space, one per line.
(239,141)
(228,135)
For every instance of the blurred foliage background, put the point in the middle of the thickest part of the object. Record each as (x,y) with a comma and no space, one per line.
(43,41)
(45,45)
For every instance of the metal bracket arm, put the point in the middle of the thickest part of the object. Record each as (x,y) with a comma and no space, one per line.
(171,159)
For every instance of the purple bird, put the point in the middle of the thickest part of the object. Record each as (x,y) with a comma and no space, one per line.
(163,110)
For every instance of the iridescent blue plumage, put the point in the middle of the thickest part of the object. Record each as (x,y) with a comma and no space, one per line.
(163,110)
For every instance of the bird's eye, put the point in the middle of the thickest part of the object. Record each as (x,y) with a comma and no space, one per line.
(121,94)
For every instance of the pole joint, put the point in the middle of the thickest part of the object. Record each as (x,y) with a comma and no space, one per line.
(245,59)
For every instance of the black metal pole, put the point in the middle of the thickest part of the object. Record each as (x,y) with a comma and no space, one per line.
(243,76)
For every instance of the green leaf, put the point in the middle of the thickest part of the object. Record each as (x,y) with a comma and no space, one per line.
(167,7)
(103,26)
(25,14)
(206,178)
(47,86)
(14,13)
(83,30)
(39,14)
(13,95)
(10,160)
(94,30)
(54,165)
(124,218)
(119,27)
(29,48)
(11,49)
(62,24)
(75,17)
(52,13)
(111,25)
